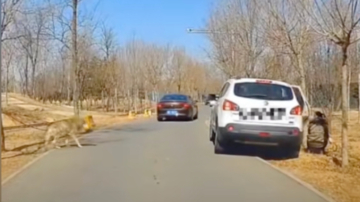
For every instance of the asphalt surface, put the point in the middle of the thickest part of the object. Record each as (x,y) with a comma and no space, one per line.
(152,162)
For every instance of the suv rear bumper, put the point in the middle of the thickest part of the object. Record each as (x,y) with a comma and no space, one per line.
(260,135)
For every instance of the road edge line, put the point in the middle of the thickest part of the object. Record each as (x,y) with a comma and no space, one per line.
(298,180)
(293,177)
(16,173)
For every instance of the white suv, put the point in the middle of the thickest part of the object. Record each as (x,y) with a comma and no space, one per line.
(257,112)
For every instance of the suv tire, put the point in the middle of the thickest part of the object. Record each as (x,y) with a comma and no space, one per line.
(196,116)
(211,135)
(218,145)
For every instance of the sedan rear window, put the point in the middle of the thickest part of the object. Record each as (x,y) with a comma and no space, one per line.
(263,91)
(174,98)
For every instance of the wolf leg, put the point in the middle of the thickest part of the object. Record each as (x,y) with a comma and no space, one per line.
(75,139)
(54,143)
(47,139)
(67,142)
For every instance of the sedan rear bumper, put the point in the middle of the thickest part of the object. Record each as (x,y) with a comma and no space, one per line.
(181,113)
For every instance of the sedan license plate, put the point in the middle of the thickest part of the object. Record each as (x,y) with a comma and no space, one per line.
(172,112)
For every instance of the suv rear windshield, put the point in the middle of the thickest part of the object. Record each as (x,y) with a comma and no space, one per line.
(174,98)
(263,91)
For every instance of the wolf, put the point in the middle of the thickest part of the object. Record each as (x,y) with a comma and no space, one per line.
(68,127)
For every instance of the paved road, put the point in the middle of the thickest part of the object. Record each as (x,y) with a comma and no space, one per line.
(152,162)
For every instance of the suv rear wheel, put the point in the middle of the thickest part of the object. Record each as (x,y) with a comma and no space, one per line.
(218,149)
(218,145)
(211,135)
(292,151)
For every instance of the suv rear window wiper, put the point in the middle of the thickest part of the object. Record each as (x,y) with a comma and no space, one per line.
(256,96)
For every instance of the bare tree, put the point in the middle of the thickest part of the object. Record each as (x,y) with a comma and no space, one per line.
(288,29)
(32,27)
(110,74)
(236,36)
(8,57)
(338,20)
(178,67)
(156,59)
(8,12)
(9,9)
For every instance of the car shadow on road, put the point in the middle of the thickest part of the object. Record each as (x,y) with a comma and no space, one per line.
(178,120)
(266,153)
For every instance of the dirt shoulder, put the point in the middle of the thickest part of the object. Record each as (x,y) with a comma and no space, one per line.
(324,172)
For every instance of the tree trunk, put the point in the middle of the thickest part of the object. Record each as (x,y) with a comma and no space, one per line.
(107,102)
(102,100)
(26,76)
(7,86)
(3,147)
(116,100)
(305,91)
(303,76)
(136,101)
(75,67)
(359,98)
(344,108)
(69,89)
(348,88)
(33,64)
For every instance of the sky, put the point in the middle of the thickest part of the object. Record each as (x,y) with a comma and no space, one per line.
(157,21)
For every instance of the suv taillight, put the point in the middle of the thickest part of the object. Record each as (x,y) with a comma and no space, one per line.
(230,106)
(296,111)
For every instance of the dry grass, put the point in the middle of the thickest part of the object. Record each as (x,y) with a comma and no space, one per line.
(324,172)
(22,116)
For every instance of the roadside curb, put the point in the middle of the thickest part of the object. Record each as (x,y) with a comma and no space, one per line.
(293,177)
